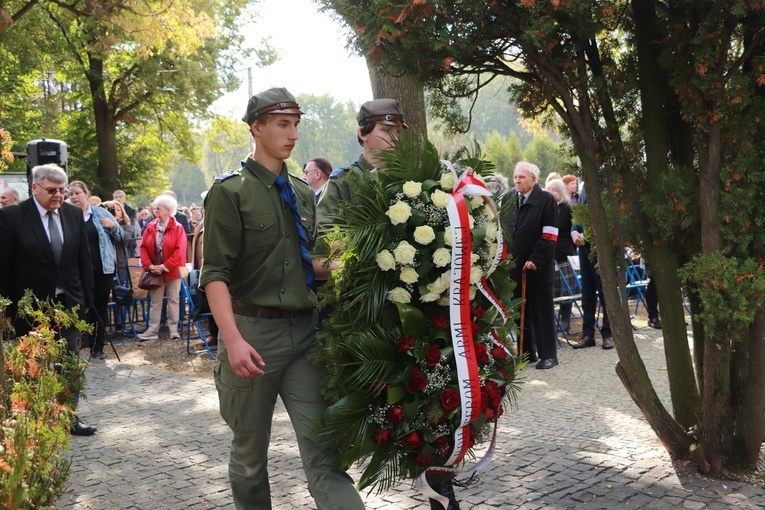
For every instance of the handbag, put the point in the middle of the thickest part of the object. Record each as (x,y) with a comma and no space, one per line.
(149,280)
(122,295)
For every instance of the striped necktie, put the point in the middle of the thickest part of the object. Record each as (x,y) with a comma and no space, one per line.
(289,197)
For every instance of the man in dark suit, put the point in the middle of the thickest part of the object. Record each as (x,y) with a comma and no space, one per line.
(44,248)
(592,290)
(533,227)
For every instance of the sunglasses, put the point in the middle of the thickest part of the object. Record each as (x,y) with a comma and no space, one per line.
(53,191)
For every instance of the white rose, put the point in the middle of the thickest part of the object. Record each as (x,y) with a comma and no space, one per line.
(442,257)
(430,297)
(399,212)
(412,188)
(447,181)
(409,275)
(448,236)
(492,250)
(404,253)
(440,199)
(424,234)
(399,295)
(441,284)
(444,301)
(473,290)
(471,221)
(476,202)
(491,231)
(385,260)
(474,257)
(476,273)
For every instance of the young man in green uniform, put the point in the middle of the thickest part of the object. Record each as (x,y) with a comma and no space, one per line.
(379,121)
(259,224)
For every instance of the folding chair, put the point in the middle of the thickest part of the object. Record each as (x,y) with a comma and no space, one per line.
(567,295)
(139,310)
(637,282)
(188,292)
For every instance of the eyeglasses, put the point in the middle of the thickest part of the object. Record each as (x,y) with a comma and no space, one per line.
(53,191)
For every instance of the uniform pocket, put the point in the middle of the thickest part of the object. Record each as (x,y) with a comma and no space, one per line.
(260,232)
(235,398)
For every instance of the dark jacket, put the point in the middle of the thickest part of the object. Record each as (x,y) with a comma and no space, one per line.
(27,262)
(533,231)
(565,246)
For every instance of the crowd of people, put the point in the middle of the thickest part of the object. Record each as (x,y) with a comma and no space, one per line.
(259,225)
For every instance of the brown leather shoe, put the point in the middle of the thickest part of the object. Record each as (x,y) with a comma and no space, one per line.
(608,342)
(586,341)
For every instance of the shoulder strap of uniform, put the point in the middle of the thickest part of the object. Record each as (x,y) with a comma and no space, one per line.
(337,171)
(227,175)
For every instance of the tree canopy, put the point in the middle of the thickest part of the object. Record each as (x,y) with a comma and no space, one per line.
(662,101)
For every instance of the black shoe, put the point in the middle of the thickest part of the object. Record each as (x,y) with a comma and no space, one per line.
(655,323)
(80,428)
(586,341)
(608,342)
(547,363)
(532,357)
(98,355)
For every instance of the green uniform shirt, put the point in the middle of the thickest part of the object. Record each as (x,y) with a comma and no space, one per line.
(337,190)
(252,242)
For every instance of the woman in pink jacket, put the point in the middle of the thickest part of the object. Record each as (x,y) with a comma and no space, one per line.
(166,238)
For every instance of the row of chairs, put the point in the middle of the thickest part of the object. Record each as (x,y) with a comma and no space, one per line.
(637,283)
(133,319)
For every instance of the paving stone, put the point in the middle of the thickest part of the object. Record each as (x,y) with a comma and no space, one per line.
(575,441)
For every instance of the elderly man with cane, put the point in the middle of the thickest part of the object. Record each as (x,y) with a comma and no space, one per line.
(532,224)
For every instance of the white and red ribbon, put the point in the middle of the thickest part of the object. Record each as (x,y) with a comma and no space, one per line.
(461,332)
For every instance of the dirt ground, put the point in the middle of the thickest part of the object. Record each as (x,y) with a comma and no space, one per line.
(163,354)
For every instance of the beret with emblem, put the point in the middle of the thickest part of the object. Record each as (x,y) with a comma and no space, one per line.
(276,100)
(383,111)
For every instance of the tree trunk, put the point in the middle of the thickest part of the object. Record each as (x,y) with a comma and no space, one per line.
(408,89)
(630,368)
(750,425)
(655,95)
(106,129)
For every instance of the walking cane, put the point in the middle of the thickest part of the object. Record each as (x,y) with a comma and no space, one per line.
(523,312)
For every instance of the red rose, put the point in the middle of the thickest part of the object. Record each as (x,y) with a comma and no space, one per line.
(450,400)
(480,352)
(485,399)
(475,328)
(432,355)
(417,381)
(395,414)
(405,343)
(503,373)
(499,353)
(477,311)
(423,460)
(382,436)
(489,413)
(495,393)
(412,440)
(440,321)
(442,443)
